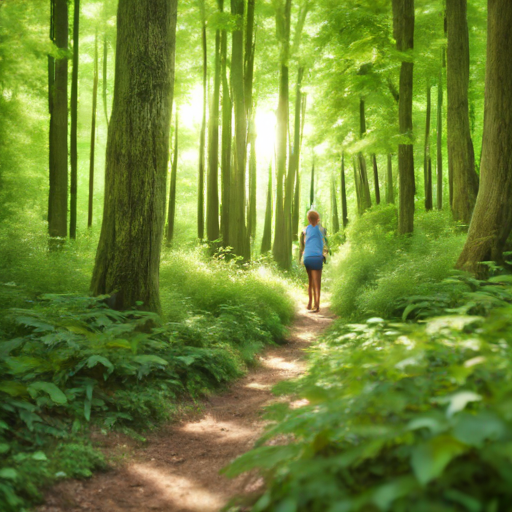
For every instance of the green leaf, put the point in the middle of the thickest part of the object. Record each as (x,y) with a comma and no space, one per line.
(95,360)
(507,278)
(459,400)
(188,360)
(4,448)
(6,347)
(429,459)
(474,430)
(385,495)
(56,395)
(8,473)
(39,325)
(41,456)
(150,358)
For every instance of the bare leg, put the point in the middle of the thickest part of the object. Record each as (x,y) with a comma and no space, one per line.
(317,285)
(310,288)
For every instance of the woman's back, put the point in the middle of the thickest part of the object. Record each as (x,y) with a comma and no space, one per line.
(313,241)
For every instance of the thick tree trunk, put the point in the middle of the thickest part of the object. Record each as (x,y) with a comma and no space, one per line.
(202,145)
(128,256)
(251,210)
(427,161)
(104,76)
(93,133)
(344,209)
(439,142)
(227,110)
(282,249)
(171,212)
(237,236)
(335,221)
(249,60)
(74,121)
(376,179)
(212,195)
(266,242)
(296,200)
(58,194)
(390,192)
(461,157)
(403,28)
(491,222)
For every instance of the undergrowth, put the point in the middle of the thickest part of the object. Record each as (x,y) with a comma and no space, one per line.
(68,362)
(400,416)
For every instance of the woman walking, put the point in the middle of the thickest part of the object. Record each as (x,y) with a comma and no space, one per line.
(311,250)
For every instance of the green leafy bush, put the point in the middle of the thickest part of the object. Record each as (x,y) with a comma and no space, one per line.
(377,269)
(399,417)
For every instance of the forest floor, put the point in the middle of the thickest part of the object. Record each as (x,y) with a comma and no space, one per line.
(177,469)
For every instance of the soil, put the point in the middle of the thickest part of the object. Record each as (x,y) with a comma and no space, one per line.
(177,470)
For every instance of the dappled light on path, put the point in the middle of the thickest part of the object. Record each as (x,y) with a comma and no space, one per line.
(178,469)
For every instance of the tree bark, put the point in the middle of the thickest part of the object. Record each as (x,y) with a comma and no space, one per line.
(58,194)
(251,210)
(212,195)
(427,161)
(363,172)
(266,242)
(74,121)
(491,222)
(312,186)
(403,28)
(439,142)
(227,110)
(335,222)
(93,133)
(171,213)
(390,192)
(461,157)
(237,236)
(376,179)
(202,144)
(104,77)
(281,248)
(344,209)
(296,200)
(128,256)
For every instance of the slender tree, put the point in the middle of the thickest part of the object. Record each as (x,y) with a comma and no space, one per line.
(439,142)
(376,179)
(344,209)
(212,195)
(74,121)
(296,199)
(58,103)
(366,200)
(93,133)
(403,28)
(202,136)
(390,193)
(491,222)
(461,157)
(238,236)
(128,256)
(335,221)
(266,242)
(251,210)
(171,213)
(427,160)
(227,110)
(104,75)
(312,185)
(281,249)
(357,186)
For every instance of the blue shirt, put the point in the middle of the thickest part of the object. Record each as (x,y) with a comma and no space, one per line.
(313,241)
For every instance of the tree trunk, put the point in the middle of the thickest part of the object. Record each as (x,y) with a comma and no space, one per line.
(390,192)
(104,76)
(212,196)
(93,133)
(461,157)
(376,179)
(58,194)
(282,249)
(439,142)
(171,214)
(251,210)
(344,209)
(266,242)
(427,162)
(74,121)
(296,200)
(128,256)
(237,235)
(363,172)
(249,60)
(403,28)
(312,186)
(491,222)
(202,144)
(357,186)
(335,222)
(227,110)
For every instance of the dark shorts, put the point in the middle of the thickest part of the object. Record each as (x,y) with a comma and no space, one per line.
(314,262)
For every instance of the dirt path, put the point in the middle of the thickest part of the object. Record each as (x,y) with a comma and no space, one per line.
(178,469)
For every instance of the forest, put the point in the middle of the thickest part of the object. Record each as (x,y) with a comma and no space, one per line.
(158,160)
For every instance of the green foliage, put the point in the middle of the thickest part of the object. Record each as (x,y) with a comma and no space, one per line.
(377,271)
(399,417)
